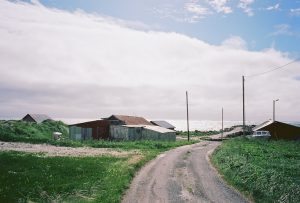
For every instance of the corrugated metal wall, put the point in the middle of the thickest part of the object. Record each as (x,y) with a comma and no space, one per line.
(139,133)
(78,133)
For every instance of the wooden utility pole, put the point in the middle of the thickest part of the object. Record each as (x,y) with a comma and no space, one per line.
(222,123)
(243,78)
(187,115)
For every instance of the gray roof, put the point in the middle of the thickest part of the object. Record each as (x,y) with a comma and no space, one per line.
(163,124)
(262,125)
(39,117)
(151,127)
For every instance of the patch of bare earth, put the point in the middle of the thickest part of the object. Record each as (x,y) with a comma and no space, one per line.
(50,150)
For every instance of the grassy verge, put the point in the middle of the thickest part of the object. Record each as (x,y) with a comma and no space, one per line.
(26,177)
(266,171)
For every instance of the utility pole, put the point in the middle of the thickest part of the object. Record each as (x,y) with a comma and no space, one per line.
(222,123)
(187,115)
(243,78)
(274,108)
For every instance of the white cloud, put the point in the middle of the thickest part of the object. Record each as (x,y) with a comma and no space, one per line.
(295,11)
(191,12)
(273,8)
(245,5)
(198,12)
(235,42)
(220,6)
(282,29)
(197,9)
(77,65)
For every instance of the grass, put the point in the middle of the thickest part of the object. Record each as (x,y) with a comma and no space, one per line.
(21,131)
(265,171)
(198,133)
(26,177)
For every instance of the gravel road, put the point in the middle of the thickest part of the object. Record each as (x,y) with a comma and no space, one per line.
(181,175)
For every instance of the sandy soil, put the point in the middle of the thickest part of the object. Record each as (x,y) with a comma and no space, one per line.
(50,150)
(182,175)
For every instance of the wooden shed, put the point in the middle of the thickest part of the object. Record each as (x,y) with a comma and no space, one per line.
(98,129)
(280,130)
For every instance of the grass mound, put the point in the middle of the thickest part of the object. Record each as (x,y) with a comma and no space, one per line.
(31,132)
(267,171)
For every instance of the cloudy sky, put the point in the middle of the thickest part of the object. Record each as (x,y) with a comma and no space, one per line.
(92,58)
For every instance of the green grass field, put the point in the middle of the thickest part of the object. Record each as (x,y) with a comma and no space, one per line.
(26,177)
(265,171)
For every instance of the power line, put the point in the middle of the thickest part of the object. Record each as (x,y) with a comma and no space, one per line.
(274,69)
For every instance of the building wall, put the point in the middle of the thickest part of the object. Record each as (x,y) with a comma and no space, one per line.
(119,132)
(139,133)
(283,131)
(99,128)
(79,133)
(153,135)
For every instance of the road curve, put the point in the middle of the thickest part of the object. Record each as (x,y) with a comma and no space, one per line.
(181,175)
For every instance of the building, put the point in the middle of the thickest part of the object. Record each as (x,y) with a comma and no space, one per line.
(141,132)
(127,120)
(163,124)
(36,118)
(120,127)
(98,129)
(280,130)
(137,128)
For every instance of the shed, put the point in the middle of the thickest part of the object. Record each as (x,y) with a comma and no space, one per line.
(98,129)
(280,130)
(163,124)
(36,118)
(127,120)
(141,132)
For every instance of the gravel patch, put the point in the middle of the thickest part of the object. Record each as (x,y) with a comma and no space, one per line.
(51,150)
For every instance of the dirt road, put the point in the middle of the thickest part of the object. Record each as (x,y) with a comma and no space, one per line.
(181,175)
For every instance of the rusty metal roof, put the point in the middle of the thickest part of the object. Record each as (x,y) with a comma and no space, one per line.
(130,120)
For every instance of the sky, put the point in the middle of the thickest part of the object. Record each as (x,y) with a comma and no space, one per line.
(92,58)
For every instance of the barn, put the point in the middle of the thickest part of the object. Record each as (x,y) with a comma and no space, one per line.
(98,129)
(280,130)
(36,118)
(120,127)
